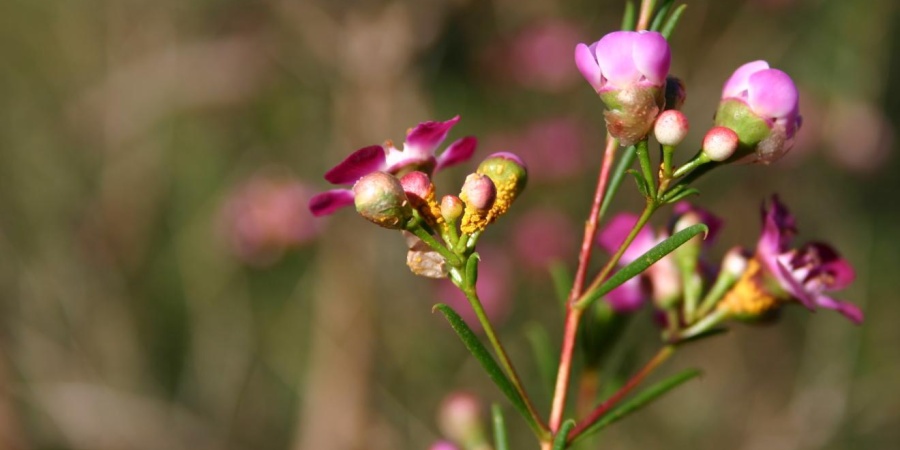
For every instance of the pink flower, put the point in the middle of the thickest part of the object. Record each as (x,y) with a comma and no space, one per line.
(625,59)
(538,56)
(762,106)
(543,236)
(418,153)
(628,70)
(804,273)
(267,215)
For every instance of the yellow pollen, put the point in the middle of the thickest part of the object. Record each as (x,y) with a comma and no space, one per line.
(748,298)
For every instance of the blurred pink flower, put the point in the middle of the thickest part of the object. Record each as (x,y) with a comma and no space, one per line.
(494,289)
(267,215)
(860,135)
(543,236)
(554,149)
(538,56)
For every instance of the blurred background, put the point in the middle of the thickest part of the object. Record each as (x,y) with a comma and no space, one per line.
(163,287)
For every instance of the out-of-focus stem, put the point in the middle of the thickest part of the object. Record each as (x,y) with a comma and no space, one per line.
(573,315)
(661,356)
(646,11)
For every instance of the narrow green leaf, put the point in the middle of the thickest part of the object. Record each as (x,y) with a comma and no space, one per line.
(559,442)
(669,27)
(543,353)
(500,440)
(643,262)
(629,19)
(640,182)
(615,180)
(474,346)
(641,400)
(681,195)
(661,15)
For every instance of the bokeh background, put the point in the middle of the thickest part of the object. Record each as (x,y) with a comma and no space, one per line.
(162,286)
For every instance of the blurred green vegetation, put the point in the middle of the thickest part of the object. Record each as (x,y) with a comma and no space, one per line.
(129,321)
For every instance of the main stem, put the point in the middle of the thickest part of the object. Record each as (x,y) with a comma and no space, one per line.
(661,356)
(573,315)
(472,296)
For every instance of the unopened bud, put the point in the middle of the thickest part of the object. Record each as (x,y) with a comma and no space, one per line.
(379,197)
(420,192)
(478,192)
(451,208)
(720,143)
(417,184)
(735,262)
(459,418)
(675,93)
(671,127)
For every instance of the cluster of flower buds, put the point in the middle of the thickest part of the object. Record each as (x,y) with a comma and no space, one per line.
(629,70)
(409,203)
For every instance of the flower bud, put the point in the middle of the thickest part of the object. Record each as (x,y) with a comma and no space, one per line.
(762,106)
(735,262)
(509,175)
(628,70)
(720,143)
(451,208)
(671,127)
(460,419)
(676,93)
(379,197)
(420,192)
(478,192)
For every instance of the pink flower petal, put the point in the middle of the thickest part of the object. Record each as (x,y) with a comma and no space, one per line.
(615,57)
(330,201)
(361,162)
(587,65)
(652,57)
(457,152)
(628,297)
(615,233)
(772,94)
(849,310)
(739,81)
(427,136)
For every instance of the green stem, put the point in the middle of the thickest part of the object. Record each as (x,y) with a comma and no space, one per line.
(469,290)
(416,228)
(705,324)
(723,283)
(646,167)
(586,299)
(698,160)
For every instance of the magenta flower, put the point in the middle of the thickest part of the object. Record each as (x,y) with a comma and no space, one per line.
(625,59)
(761,105)
(664,278)
(628,70)
(804,273)
(418,153)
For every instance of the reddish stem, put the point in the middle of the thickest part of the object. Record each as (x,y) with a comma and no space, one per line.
(645,13)
(603,408)
(573,314)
